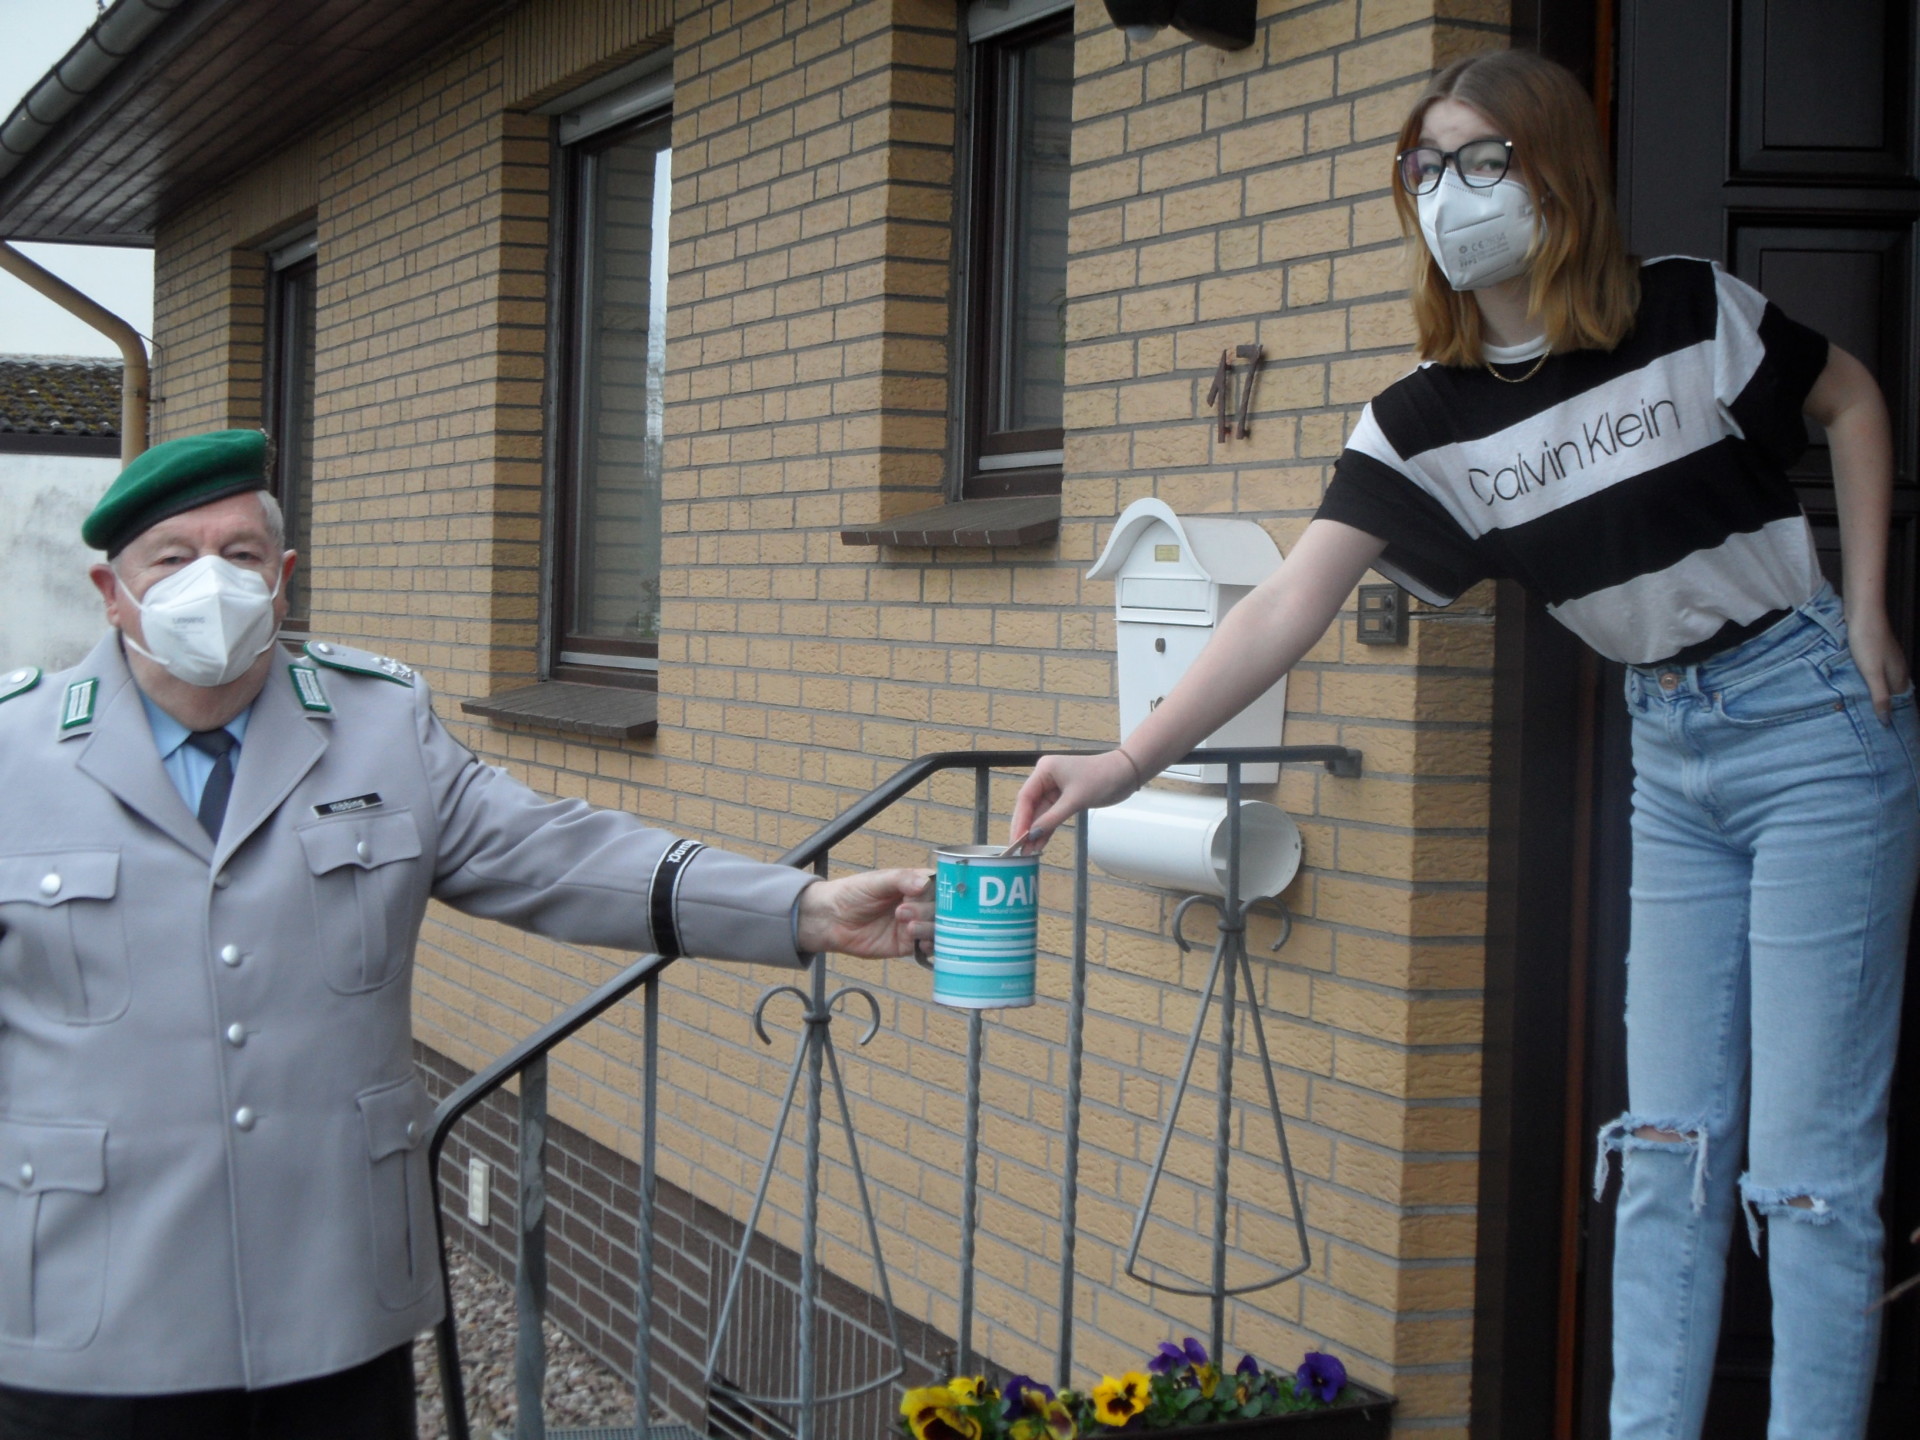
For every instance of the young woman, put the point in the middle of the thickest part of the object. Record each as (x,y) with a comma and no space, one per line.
(1615,435)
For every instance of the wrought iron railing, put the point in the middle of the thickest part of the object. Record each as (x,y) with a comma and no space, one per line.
(816,1068)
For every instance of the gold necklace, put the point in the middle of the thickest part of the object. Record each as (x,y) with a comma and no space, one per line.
(1518,379)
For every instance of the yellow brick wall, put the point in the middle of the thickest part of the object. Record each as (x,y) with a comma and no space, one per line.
(1217,199)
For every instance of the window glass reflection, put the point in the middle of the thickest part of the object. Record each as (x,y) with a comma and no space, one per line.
(625,194)
(1033,367)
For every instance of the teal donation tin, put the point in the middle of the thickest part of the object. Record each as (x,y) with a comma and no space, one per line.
(985,927)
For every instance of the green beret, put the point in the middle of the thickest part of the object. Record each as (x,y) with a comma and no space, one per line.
(175,477)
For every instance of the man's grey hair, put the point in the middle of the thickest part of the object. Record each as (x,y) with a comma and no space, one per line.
(276,520)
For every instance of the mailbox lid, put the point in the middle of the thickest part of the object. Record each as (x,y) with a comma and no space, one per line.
(1222,549)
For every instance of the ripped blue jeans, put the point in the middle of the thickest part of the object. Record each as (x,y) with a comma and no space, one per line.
(1776,832)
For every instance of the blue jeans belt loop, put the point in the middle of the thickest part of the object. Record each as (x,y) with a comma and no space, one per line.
(1826,611)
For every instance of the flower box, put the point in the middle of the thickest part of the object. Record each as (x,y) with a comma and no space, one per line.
(1359,1414)
(1182,1395)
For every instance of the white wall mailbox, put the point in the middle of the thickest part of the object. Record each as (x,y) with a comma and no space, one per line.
(1175,579)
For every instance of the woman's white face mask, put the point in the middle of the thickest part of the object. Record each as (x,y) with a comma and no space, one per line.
(207,622)
(1478,237)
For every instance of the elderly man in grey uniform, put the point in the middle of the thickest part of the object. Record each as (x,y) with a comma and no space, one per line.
(214,1215)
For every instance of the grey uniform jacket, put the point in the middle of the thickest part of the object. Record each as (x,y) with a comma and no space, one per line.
(212,1141)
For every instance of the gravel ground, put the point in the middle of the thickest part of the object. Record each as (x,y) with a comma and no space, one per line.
(581,1392)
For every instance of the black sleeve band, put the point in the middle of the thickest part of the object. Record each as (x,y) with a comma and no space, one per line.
(663,897)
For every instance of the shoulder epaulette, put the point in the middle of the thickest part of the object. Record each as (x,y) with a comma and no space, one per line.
(18,682)
(358,662)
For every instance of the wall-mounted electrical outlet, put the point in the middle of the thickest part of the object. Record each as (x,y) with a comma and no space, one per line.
(479,1192)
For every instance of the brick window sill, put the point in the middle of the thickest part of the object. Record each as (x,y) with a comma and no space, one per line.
(977,524)
(604,712)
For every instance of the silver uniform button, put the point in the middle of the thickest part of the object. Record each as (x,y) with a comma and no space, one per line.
(49,885)
(229,954)
(320,647)
(26,1173)
(15,678)
(222,880)
(236,1034)
(243,1118)
(413,1131)
(362,850)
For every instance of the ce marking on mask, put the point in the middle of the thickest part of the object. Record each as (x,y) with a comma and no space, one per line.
(1220,396)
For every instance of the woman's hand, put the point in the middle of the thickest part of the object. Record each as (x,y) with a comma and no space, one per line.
(1877,653)
(1061,786)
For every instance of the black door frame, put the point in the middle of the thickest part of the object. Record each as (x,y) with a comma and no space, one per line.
(1545,685)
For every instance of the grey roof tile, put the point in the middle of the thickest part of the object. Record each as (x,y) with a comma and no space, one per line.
(59,395)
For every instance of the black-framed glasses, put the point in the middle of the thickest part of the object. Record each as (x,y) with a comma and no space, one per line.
(1479,163)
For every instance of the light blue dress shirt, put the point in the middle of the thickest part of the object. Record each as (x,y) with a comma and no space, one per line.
(186,766)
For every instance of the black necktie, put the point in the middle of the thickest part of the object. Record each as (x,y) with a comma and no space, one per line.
(213,799)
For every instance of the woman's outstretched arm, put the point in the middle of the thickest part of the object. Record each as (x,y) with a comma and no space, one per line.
(1259,641)
(1846,401)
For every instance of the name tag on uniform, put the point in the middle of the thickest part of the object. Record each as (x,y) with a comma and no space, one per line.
(343,807)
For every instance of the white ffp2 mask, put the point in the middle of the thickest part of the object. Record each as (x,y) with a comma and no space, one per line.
(1478,237)
(206,622)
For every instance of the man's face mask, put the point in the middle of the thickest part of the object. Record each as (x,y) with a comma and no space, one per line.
(1477,236)
(207,622)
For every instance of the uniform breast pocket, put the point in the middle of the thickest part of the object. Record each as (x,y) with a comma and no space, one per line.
(367,900)
(63,939)
(53,1232)
(405,1245)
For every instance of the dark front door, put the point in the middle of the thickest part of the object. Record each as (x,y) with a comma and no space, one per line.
(1779,138)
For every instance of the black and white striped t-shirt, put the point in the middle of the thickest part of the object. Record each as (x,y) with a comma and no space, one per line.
(1642,493)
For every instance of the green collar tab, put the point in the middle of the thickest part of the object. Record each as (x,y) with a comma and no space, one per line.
(77,708)
(308,690)
(358,662)
(19,682)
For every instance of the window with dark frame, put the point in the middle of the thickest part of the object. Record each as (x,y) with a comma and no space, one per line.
(292,296)
(606,575)
(1013,363)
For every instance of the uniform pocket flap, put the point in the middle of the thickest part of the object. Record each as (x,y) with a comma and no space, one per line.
(398,1117)
(361,839)
(54,878)
(38,1155)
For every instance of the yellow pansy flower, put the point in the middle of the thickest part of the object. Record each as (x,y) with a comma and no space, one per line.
(933,1413)
(1116,1400)
(972,1389)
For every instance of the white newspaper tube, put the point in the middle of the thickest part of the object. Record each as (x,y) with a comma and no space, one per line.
(1179,842)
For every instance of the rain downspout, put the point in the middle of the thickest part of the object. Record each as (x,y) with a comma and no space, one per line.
(133,352)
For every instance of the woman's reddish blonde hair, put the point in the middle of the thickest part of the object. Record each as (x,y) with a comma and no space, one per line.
(1584,287)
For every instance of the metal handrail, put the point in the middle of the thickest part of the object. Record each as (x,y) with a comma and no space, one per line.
(528,1058)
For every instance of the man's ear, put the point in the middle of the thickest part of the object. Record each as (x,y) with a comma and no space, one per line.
(289,562)
(108,584)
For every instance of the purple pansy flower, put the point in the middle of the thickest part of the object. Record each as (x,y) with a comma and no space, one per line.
(1169,1357)
(1196,1353)
(1248,1367)
(1025,1394)
(1321,1376)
